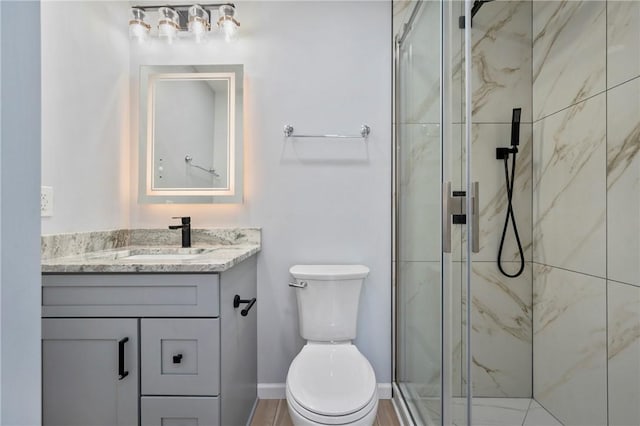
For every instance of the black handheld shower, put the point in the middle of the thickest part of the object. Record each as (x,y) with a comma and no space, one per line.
(515,126)
(503,154)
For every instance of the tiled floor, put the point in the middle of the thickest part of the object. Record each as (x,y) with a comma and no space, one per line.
(274,412)
(508,412)
(492,412)
(486,412)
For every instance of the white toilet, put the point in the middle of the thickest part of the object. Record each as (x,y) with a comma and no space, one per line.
(330,382)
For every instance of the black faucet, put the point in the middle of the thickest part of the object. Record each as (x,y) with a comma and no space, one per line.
(186,230)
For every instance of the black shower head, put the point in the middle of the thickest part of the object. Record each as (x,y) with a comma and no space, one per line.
(515,127)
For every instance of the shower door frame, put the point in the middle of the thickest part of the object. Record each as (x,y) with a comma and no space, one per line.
(404,408)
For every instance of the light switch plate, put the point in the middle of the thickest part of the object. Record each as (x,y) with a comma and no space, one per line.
(46,201)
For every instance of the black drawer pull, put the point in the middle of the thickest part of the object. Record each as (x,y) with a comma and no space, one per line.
(237,301)
(121,371)
(177,359)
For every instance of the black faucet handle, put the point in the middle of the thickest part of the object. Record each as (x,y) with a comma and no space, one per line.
(186,220)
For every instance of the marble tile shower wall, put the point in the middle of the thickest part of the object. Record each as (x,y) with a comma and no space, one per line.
(502,316)
(586,210)
(502,329)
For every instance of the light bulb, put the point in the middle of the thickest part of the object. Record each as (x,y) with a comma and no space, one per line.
(229,29)
(138,28)
(227,22)
(138,32)
(198,22)
(168,23)
(167,32)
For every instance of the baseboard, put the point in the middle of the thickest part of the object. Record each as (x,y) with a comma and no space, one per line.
(384,391)
(277,391)
(271,391)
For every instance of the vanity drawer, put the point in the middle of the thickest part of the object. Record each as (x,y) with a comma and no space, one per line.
(130,295)
(179,411)
(180,356)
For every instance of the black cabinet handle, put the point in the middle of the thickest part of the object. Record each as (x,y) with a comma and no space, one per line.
(121,371)
(177,359)
(237,301)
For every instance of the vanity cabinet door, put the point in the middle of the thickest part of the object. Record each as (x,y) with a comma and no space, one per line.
(180,356)
(89,372)
(180,411)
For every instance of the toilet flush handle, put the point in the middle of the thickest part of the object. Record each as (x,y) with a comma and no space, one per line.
(301,284)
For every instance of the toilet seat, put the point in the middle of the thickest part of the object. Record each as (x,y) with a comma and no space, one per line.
(355,418)
(331,383)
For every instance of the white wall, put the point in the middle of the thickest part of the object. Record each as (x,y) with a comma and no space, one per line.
(19,214)
(85,114)
(320,66)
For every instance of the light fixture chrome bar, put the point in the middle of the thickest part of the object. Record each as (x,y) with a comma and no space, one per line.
(364,133)
(182,6)
(189,160)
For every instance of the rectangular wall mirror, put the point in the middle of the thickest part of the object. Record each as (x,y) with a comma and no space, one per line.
(191,134)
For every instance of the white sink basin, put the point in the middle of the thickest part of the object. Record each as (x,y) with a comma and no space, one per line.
(159,257)
(154,254)
(164,254)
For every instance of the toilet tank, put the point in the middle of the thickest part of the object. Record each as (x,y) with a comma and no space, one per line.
(328,297)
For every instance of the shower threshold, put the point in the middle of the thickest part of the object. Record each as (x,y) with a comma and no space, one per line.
(486,411)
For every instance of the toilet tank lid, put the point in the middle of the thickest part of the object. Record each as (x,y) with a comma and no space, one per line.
(329,272)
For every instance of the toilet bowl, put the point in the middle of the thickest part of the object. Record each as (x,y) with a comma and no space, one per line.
(330,382)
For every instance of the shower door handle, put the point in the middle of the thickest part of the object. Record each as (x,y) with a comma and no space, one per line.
(454,209)
(447,207)
(475,217)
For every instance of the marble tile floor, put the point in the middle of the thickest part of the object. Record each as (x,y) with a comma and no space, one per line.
(507,412)
(497,412)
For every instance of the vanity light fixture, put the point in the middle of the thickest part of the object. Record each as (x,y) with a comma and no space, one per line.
(173,21)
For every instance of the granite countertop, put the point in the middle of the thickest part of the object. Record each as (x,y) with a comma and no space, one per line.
(148,250)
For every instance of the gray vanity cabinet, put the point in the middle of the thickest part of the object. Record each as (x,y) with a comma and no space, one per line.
(197,353)
(81,383)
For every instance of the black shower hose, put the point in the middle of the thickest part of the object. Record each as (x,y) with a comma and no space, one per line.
(510,214)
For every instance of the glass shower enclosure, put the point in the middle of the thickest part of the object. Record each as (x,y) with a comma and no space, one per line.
(447,367)
(538,102)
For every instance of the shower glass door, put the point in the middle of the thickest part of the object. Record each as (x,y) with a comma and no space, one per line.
(429,364)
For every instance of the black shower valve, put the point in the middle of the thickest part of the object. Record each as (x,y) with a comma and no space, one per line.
(503,153)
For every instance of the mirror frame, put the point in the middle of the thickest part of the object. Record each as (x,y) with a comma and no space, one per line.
(233,193)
